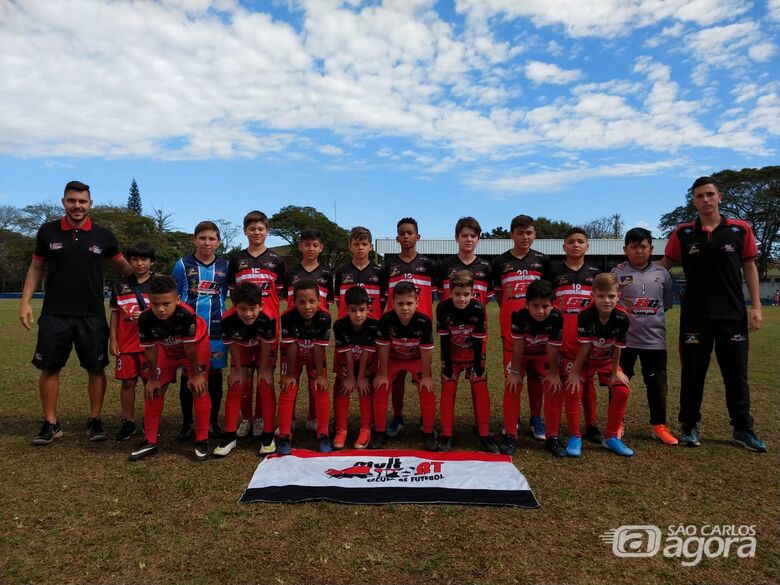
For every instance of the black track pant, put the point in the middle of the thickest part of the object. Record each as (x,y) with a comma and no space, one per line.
(730,339)
(215,393)
(653,363)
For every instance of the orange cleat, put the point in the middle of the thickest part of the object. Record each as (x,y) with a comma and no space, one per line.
(661,433)
(363,438)
(339,438)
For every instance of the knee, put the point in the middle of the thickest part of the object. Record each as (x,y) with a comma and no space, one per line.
(620,391)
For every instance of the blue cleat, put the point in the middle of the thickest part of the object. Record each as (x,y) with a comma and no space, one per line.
(616,446)
(284,447)
(323,444)
(749,441)
(395,427)
(574,446)
(690,436)
(537,428)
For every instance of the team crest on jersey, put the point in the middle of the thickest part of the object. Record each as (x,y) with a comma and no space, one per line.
(192,272)
(243,264)
(694,249)
(347,279)
(626,280)
(734,228)
(95,249)
(507,268)
(728,248)
(56,246)
(395,271)
(690,338)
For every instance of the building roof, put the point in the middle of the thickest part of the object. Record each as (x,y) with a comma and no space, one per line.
(494,247)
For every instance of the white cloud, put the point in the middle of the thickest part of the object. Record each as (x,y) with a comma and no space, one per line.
(773,10)
(539,72)
(331,150)
(762,52)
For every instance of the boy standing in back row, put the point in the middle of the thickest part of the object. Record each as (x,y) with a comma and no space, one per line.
(360,271)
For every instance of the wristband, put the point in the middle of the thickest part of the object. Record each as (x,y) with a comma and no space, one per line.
(511,370)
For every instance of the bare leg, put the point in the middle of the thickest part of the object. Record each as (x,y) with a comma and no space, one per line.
(49,389)
(97,391)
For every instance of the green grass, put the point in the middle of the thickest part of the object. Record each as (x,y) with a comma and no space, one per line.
(76,512)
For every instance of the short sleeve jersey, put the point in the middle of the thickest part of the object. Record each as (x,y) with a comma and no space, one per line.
(266,271)
(204,288)
(370,278)
(129,299)
(645,293)
(712,262)
(462,326)
(234,330)
(75,266)
(320,275)
(604,338)
(306,334)
(479,268)
(421,272)
(537,334)
(572,290)
(184,326)
(405,341)
(511,276)
(357,341)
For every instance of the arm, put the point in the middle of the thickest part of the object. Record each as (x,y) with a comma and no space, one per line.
(266,371)
(120,265)
(478,366)
(31,283)
(197,381)
(755,318)
(350,382)
(113,344)
(236,370)
(383,356)
(426,382)
(616,376)
(446,357)
(320,368)
(362,380)
(152,386)
(291,356)
(553,378)
(514,378)
(666,262)
(575,376)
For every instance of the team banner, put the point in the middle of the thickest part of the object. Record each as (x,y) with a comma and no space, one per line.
(390,476)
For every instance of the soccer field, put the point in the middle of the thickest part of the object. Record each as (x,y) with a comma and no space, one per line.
(76,512)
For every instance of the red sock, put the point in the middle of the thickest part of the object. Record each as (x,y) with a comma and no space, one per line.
(268,400)
(553,405)
(511,410)
(366,410)
(322,410)
(617,409)
(427,409)
(232,405)
(399,386)
(447,406)
(340,406)
(258,414)
(589,401)
(535,395)
(481,399)
(312,400)
(246,400)
(286,408)
(572,405)
(202,407)
(152,412)
(380,408)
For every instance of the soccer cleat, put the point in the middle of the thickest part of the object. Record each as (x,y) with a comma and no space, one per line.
(429,442)
(749,441)
(339,439)
(243,429)
(363,439)
(226,445)
(285,446)
(257,427)
(95,430)
(661,433)
(186,432)
(616,446)
(537,428)
(311,425)
(323,444)
(126,430)
(508,445)
(378,440)
(689,436)
(267,444)
(144,450)
(574,446)
(395,427)
(201,450)
(554,446)
(445,446)
(593,434)
(488,444)
(216,430)
(47,433)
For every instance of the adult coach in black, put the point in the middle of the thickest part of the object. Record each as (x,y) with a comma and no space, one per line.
(73,250)
(715,251)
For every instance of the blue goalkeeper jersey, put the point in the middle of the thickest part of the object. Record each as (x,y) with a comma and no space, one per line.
(204,288)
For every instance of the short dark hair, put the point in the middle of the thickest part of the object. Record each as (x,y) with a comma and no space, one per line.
(310,234)
(356,295)
(705,181)
(523,221)
(404,288)
(359,233)
(468,222)
(575,230)
(140,249)
(463,279)
(160,284)
(410,220)
(206,225)
(539,289)
(638,235)
(305,284)
(255,217)
(248,293)
(76,186)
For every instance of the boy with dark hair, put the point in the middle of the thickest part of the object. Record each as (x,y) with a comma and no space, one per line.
(408,266)
(305,338)
(513,271)
(265,269)
(572,282)
(645,294)
(354,363)
(249,334)
(201,279)
(537,332)
(129,299)
(460,322)
(360,271)
(173,336)
(601,333)
(405,344)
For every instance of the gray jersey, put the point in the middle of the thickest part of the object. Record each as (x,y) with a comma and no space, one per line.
(645,294)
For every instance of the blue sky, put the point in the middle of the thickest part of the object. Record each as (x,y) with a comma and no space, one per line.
(371,111)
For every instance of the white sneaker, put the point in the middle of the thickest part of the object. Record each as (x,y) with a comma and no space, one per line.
(243,429)
(225,448)
(257,427)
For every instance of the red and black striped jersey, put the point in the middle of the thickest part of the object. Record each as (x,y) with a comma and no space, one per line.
(479,267)
(266,271)
(537,334)
(370,278)
(405,341)
(572,289)
(129,299)
(320,275)
(234,330)
(462,326)
(511,277)
(357,341)
(602,337)
(306,334)
(421,272)
(183,326)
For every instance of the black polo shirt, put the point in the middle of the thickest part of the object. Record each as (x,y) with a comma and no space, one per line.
(712,261)
(75,260)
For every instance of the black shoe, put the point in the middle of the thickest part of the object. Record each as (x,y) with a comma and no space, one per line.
(47,433)
(488,444)
(446,444)
(95,430)
(144,450)
(186,433)
(429,443)
(201,450)
(216,430)
(508,445)
(377,441)
(126,430)
(593,434)
(553,445)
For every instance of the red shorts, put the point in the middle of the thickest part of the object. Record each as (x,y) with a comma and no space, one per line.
(130,366)
(167,365)
(250,355)
(395,367)
(307,362)
(589,369)
(465,368)
(537,365)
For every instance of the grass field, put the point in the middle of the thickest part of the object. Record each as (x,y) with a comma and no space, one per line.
(76,512)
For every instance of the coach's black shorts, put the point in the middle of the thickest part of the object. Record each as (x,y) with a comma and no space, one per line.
(58,334)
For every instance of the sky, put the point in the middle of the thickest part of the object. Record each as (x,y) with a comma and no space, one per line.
(371,111)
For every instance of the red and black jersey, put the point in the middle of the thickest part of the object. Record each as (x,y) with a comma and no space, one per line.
(462,325)
(405,341)
(306,334)
(266,271)
(572,290)
(320,275)
(511,276)
(355,340)
(183,326)
(370,278)
(234,330)
(537,334)
(129,299)
(481,270)
(421,272)
(712,262)
(75,266)
(603,337)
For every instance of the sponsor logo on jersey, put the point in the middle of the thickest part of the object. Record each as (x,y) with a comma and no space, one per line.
(645,306)
(56,246)
(690,338)
(728,248)
(95,249)
(738,337)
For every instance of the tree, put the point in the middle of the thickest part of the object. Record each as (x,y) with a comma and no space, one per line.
(290,221)
(610,226)
(9,217)
(228,232)
(15,252)
(750,194)
(551,229)
(497,233)
(162,221)
(134,199)
(35,215)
